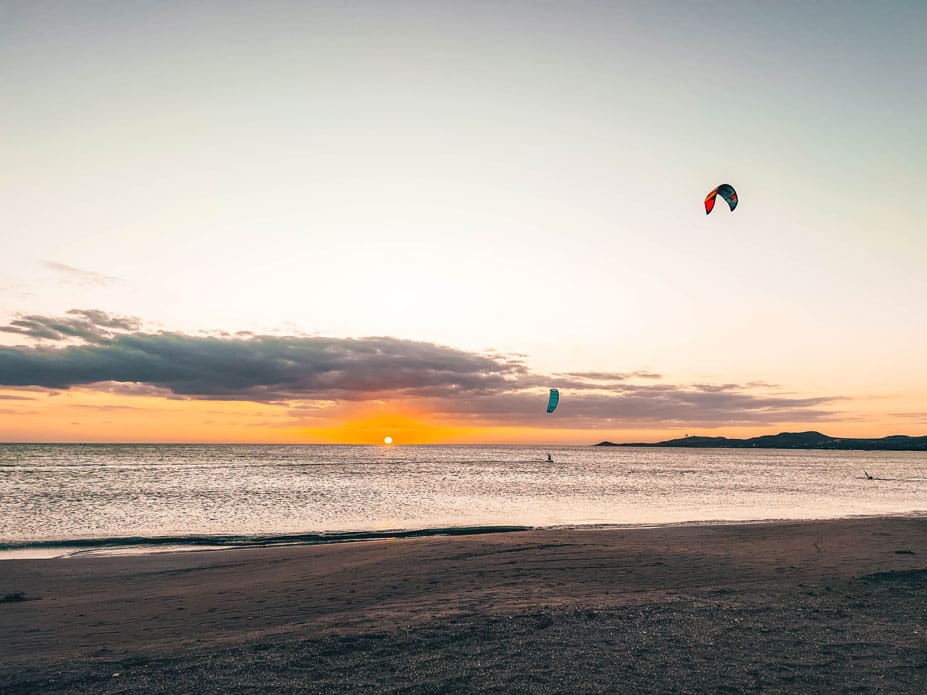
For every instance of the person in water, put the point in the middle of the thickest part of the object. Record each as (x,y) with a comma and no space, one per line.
(550,458)
(868,477)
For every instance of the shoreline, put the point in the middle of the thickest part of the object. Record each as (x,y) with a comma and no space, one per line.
(140,545)
(827,604)
(41,549)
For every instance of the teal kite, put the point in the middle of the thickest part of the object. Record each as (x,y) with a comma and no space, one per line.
(553,400)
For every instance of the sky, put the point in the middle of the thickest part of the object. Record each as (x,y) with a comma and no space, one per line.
(336,222)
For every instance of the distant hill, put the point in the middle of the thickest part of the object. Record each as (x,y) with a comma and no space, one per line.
(794,440)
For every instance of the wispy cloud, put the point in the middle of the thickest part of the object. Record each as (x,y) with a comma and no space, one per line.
(11,411)
(77,276)
(917,417)
(90,325)
(611,376)
(113,355)
(15,290)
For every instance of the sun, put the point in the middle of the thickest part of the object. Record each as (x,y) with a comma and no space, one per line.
(387,440)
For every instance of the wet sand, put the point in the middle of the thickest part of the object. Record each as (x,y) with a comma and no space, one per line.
(822,606)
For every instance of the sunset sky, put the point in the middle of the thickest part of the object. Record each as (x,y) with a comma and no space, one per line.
(340,221)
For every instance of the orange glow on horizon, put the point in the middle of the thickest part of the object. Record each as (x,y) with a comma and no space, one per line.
(86,415)
(404,428)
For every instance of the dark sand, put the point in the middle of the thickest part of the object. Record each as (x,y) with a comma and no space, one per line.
(832,606)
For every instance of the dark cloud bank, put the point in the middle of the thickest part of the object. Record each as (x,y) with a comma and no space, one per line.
(92,347)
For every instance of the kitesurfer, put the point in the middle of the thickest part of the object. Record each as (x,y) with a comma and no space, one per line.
(552,400)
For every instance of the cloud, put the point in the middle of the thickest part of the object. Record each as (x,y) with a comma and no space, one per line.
(761,385)
(919,418)
(612,376)
(311,373)
(665,404)
(11,411)
(256,368)
(90,325)
(17,290)
(107,408)
(133,388)
(76,276)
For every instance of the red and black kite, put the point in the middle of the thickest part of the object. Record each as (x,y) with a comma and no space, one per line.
(726,191)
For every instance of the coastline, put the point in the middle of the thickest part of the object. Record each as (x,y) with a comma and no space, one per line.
(806,441)
(826,604)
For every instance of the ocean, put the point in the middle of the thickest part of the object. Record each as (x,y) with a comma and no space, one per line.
(73,499)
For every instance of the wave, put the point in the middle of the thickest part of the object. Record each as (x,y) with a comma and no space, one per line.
(89,545)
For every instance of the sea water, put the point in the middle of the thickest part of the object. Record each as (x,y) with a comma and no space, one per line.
(56,499)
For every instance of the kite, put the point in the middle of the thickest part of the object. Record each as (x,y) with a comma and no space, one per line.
(553,400)
(726,191)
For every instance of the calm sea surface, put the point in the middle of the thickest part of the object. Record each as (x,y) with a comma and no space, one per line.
(90,496)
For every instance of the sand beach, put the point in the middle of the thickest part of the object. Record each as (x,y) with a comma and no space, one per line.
(823,606)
